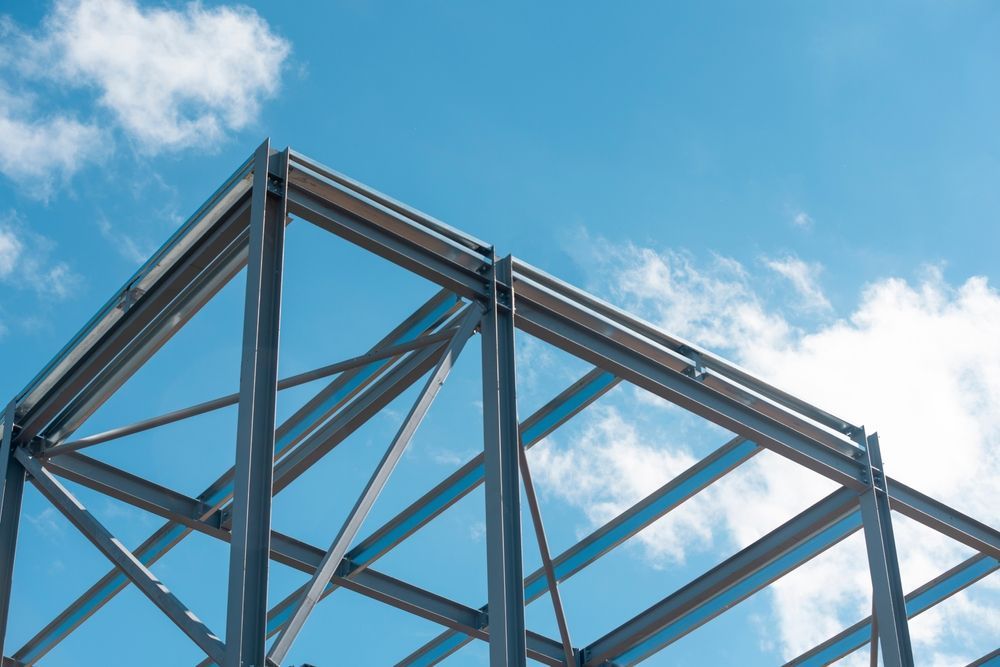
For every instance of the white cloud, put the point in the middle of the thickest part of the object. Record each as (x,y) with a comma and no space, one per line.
(917,361)
(615,447)
(173,78)
(38,151)
(170,79)
(803,277)
(26,262)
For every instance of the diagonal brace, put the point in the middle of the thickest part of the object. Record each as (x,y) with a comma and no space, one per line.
(124,559)
(331,559)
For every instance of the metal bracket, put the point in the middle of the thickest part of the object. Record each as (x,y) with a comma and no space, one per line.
(129,298)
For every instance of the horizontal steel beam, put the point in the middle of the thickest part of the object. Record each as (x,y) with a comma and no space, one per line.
(935,514)
(369,194)
(385,232)
(148,319)
(921,599)
(679,380)
(291,552)
(641,515)
(705,358)
(795,542)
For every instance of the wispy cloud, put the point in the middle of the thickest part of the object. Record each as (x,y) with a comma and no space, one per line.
(802,220)
(804,278)
(124,244)
(41,151)
(26,261)
(916,360)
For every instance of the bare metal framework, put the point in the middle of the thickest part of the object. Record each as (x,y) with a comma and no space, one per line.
(242,226)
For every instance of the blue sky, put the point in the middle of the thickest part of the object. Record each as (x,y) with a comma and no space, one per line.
(808,188)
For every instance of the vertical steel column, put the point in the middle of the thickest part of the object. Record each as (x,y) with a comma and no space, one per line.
(12,478)
(887,588)
(246,620)
(501,442)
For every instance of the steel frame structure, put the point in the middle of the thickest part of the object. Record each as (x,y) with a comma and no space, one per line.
(242,225)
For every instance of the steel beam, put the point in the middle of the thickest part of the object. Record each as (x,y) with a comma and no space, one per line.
(463,481)
(453,261)
(246,616)
(501,442)
(332,557)
(793,543)
(615,532)
(935,514)
(681,380)
(552,415)
(705,358)
(306,558)
(991,659)
(203,236)
(887,587)
(931,593)
(12,478)
(333,396)
(393,351)
(123,559)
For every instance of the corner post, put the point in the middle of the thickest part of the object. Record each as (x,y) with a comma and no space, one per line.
(887,588)
(246,620)
(12,478)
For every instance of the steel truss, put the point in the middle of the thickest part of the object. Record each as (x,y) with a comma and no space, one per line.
(242,225)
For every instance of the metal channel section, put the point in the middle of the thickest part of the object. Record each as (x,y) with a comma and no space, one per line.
(242,225)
